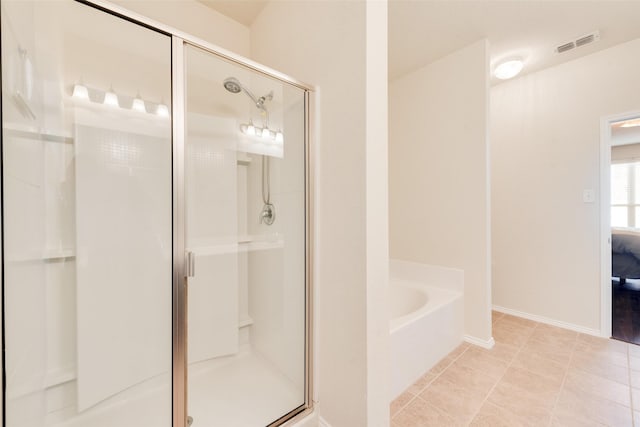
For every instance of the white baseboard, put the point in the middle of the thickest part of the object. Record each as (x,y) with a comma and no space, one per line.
(488,344)
(548,321)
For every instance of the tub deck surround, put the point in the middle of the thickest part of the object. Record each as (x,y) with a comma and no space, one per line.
(427,310)
(536,374)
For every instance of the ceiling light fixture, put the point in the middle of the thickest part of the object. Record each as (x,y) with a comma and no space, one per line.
(508,69)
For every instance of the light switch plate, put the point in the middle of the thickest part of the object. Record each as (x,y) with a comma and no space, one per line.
(588,196)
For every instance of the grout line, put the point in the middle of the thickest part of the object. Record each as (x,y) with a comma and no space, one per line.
(486,398)
(564,379)
(431,382)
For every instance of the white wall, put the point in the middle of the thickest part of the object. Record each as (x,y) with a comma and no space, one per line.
(326,44)
(545,132)
(196,19)
(438,174)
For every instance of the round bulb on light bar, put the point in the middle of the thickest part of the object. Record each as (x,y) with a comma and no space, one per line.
(138,105)
(110,98)
(80,92)
(162,110)
(508,69)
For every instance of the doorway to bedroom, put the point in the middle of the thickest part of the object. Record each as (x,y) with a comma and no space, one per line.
(625,229)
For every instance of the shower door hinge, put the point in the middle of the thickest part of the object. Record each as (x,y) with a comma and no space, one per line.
(190,264)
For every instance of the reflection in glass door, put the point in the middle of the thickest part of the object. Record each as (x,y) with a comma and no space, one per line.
(105,188)
(245,226)
(86,146)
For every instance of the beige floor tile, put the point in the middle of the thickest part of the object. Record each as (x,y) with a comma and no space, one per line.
(491,415)
(421,414)
(417,387)
(634,376)
(482,361)
(581,409)
(557,353)
(604,352)
(635,397)
(513,326)
(602,365)
(509,337)
(526,382)
(459,350)
(599,343)
(634,350)
(495,315)
(582,382)
(555,336)
(529,407)
(519,321)
(468,378)
(458,402)
(400,402)
(540,365)
(501,351)
(571,421)
(441,366)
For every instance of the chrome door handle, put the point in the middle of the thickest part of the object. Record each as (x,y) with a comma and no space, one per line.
(190,264)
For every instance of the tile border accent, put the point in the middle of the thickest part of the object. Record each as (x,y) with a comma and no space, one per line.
(549,321)
(488,344)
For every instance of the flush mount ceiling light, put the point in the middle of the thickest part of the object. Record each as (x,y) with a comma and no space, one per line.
(508,69)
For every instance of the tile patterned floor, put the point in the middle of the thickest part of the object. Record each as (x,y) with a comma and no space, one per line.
(536,375)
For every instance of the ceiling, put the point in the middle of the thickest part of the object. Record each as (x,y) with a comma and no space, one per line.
(243,11)
(421,32)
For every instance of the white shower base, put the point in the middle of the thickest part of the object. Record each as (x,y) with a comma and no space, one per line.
(237,391)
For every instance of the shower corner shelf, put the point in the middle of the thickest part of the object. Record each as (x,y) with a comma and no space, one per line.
(37,134)
(244,160)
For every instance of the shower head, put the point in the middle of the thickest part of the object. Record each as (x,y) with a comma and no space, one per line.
(232,85)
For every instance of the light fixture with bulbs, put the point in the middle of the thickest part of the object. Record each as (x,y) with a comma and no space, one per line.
(111,99)
(508,69)
(262,133)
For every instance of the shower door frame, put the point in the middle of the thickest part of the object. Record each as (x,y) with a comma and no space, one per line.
(179,268)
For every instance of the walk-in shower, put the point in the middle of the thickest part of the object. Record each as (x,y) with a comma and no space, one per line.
(145,280)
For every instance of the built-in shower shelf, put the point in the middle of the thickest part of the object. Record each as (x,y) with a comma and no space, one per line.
(245,244)
(243,160)
(36,134)
(47,256)
(59,254)
(247,321)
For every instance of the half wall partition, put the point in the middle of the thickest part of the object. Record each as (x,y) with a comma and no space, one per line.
(155,224)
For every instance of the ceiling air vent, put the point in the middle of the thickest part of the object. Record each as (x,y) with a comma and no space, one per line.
(580,41)
(565,47)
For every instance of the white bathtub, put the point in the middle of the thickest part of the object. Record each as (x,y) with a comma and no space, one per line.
(427,316)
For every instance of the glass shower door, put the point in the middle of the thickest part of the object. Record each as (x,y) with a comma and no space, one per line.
(87,200)
(245,226)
